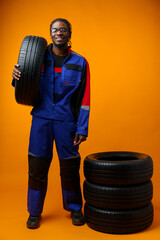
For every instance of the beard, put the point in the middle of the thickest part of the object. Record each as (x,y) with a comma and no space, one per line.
(60,45)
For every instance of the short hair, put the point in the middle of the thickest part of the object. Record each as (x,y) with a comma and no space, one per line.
(69,26)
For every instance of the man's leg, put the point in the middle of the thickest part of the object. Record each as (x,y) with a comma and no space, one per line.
(37,186)
(69,159)
(40,155)
(70,182)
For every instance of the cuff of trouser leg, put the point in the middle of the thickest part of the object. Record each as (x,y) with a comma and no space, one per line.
(72,201)
(74,207)
(35,201)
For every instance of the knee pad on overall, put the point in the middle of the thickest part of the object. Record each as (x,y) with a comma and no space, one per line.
(69,171)
(38,172)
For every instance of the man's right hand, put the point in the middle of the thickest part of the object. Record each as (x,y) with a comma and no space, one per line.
(16,74)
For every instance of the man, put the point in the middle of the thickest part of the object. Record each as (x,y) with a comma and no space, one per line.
(61,115)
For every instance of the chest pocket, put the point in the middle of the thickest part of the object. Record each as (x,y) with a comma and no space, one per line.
(72,74)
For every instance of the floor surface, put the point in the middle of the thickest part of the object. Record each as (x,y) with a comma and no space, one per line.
(56,223)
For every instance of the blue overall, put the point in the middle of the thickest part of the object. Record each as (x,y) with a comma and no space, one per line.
(43,133)
(62,112)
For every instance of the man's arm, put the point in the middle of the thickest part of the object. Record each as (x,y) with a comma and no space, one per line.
(83,119)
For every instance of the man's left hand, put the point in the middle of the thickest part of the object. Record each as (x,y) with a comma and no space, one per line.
(78,139)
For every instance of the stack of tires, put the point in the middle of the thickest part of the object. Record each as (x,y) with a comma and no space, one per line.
(118,192)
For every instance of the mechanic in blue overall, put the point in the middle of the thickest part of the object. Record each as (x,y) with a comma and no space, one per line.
(62,116)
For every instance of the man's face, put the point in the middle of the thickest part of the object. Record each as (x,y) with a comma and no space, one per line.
(60,34)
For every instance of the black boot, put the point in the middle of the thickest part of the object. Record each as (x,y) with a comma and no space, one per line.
(33,222)
(77,218)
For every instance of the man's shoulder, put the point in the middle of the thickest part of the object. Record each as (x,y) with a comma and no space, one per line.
(77,55)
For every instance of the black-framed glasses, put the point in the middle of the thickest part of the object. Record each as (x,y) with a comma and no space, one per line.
(62,30)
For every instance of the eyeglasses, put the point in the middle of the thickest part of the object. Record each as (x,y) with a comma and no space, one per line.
(62,30)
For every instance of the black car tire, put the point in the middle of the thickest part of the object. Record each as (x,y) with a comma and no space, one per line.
(119,222)
(118,198)
(30,59)
(118,168)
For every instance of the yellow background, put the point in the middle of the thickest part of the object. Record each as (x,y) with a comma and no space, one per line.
(121,41)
